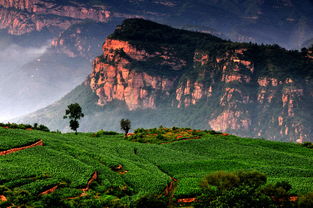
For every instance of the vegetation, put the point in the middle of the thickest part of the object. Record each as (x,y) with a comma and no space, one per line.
(167,135)
(102,133)
(74,113)
(243,189)
(308,145)
(131,173)
(25,126)
(125,126)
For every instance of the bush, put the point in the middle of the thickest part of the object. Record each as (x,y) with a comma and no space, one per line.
(151,201)
(280,193)
(43,128)
(102,132)
(308,145)
(243,189)
(252,178)
(221,180)
(25,126)
(306,201)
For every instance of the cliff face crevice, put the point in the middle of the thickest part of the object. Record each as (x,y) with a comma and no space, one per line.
(237,98)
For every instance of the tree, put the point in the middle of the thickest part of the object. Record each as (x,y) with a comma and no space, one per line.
(239,190)
(125,126)
(74,113)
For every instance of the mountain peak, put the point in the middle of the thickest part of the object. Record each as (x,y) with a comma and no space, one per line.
(137,29)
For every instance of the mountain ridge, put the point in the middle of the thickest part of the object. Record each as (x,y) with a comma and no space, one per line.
(240,88)
(285,22)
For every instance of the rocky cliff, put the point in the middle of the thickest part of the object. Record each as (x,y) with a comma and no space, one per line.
(286,22)
(25,16)
(235,91)
(157,75)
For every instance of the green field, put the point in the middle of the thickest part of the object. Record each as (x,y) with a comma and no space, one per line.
(74,158)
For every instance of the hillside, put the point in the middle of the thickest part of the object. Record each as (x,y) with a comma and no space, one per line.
(127,170)
(183,78)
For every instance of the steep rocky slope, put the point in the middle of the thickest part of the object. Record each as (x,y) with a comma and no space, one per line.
(24,16)
(157,75)
(286,22)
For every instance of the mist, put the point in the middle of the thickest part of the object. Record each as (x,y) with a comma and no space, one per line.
(12,58)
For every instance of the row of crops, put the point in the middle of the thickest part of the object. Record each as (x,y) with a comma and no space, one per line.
(69,160)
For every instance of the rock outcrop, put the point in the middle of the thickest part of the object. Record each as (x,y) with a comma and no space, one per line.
(24,16)
(138,90)
(245,101)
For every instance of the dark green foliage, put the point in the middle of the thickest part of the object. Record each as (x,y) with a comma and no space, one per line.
(243,189)
(125,125)
(148,31)
(102,132)
(280,193)
(25,126)
(308,145)
(252,178)
(151,201)
(74,113)
(223,181)
(306,201)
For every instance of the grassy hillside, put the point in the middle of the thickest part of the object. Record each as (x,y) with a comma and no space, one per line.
(128,169)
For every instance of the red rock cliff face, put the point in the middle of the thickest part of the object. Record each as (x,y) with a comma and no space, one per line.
(138,90)
(238,101)
(24,16)
(20,22)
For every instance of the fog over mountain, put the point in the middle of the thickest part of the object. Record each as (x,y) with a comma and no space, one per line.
(12,58)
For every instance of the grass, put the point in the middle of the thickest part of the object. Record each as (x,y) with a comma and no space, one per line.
(72,159)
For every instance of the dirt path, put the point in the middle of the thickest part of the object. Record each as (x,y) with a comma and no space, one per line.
(90,181)
(49,191)
(10,151)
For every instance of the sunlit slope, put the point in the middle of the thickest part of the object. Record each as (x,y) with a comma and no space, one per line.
(145,168)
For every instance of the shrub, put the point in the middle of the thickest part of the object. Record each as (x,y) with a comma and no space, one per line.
(306,201)
(43,128)
(221,180)
(151,201)
(308,145)
(252,178)
(280,193)
(243,189)
(102,132)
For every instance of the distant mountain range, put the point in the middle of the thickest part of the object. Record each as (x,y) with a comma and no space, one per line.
(286,22)
(157,75)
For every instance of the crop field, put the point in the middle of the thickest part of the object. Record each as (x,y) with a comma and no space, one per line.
(135,169)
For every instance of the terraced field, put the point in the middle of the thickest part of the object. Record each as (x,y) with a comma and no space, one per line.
(136,169)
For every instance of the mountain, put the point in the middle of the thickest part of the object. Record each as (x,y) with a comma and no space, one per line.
(157,75)
(68,34)
(285,22)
